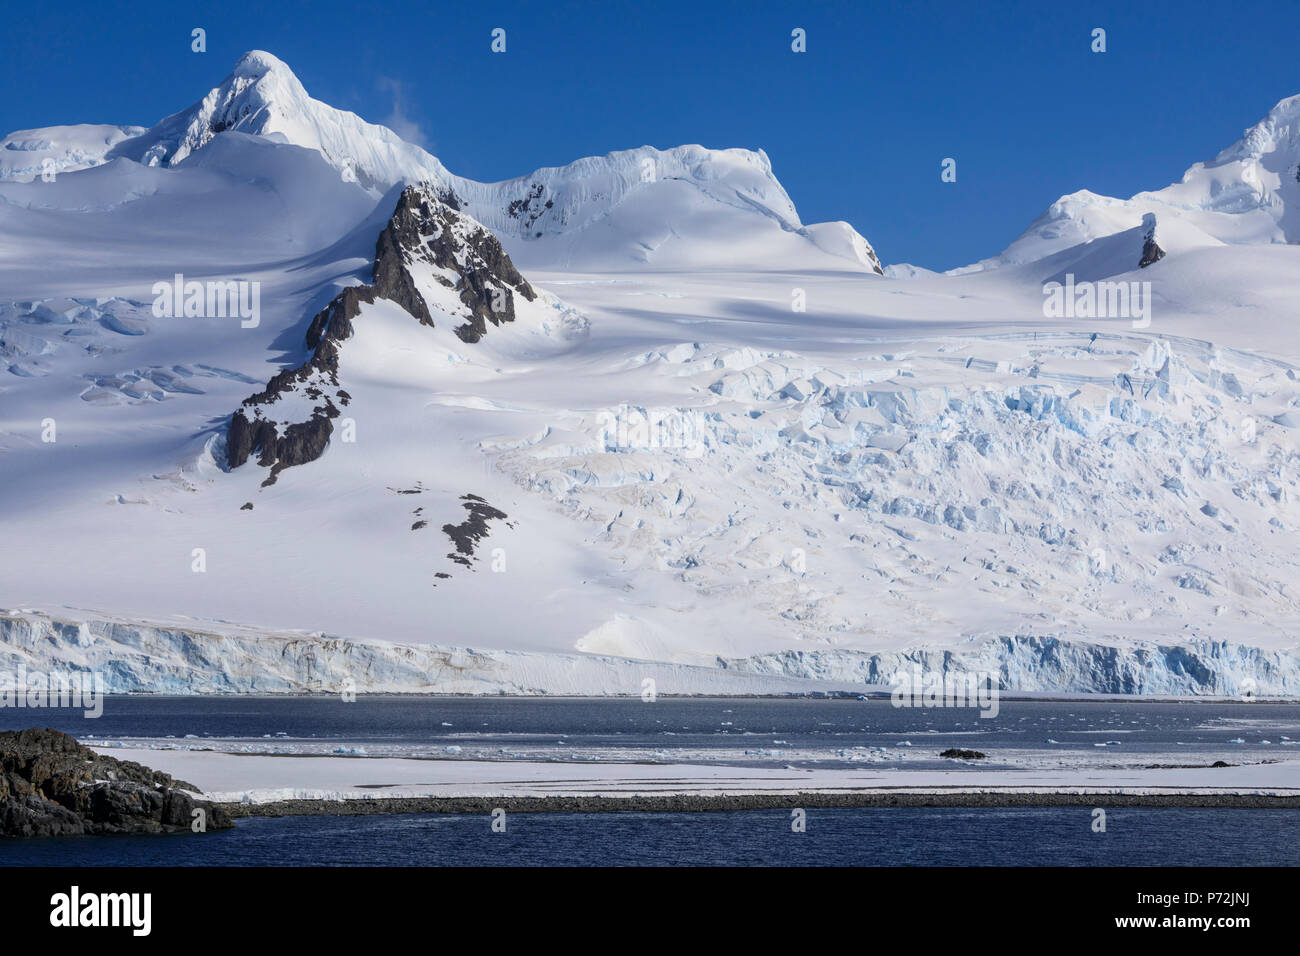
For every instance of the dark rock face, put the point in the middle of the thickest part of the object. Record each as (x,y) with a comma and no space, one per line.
(32,815)
(300,442)
(530,208)
(402,236)
(1151,251)
(424,227)
(956,753)
(466,535)
(50,785)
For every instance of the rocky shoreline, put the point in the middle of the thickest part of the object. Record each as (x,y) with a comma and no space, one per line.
(682,803)
(50,785)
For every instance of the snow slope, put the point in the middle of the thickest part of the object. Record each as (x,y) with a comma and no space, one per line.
(720,447)
(228,778)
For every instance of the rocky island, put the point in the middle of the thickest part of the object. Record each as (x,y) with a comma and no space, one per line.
(50,785)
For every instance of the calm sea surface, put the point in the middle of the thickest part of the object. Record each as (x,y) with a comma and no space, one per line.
(782,732)
(1033,836)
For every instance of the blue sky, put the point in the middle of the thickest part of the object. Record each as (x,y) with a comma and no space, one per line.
(856,127)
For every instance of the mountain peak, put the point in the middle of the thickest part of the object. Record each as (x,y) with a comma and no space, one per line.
(1249,194)
(1280,129)
(668,207)
(263,97)
(258,63)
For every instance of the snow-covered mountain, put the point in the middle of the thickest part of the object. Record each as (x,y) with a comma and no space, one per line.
(1247,195)
(668,208)
(31,153)
(622,417)
(262,97)
(686,207)
(439,266)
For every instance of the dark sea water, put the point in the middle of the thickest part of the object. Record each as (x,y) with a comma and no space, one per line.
(760,732)
(1034,836)
(769,729)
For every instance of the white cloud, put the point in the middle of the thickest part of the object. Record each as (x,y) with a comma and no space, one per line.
(398,120)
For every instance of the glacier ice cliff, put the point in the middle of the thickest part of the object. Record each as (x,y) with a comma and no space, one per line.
(145,658)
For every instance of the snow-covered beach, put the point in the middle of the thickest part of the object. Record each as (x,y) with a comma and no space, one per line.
(408,754)
(307,784)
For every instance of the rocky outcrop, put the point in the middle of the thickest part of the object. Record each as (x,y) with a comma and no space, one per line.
(466,535)
(956,753)
(301,442)
(281,445)
(426,227)
(50,785)
(400,238)
(1151,251)
(530,208)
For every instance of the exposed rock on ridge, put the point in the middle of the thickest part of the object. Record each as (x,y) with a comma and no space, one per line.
(1151,251)
(424,228)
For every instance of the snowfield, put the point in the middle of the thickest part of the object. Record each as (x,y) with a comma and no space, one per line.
(235,778)
(719,448)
